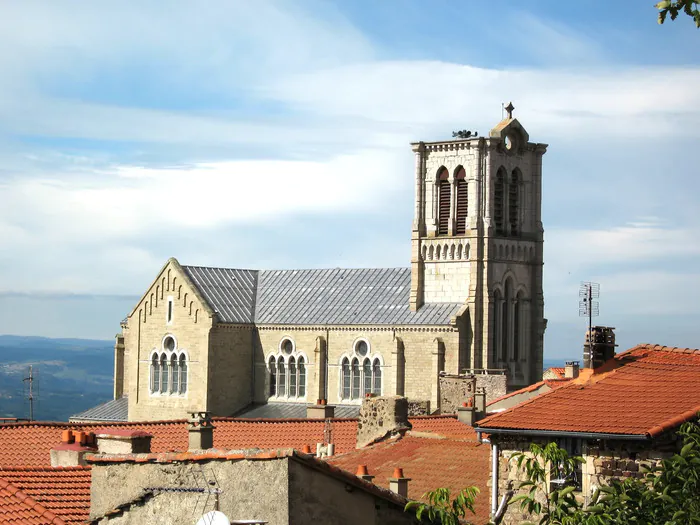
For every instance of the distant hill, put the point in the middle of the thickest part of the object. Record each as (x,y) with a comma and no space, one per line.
(71,375)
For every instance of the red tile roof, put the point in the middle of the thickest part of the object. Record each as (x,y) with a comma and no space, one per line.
(29,444)
(558,371)
(551,383)
(430,462)
(644,391)
(17,508)
(445,426)
(64,491)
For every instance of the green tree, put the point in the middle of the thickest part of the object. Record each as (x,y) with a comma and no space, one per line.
(673,8)
(443,510)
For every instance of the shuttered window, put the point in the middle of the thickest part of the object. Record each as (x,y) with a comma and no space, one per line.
(443,202)
(462,202)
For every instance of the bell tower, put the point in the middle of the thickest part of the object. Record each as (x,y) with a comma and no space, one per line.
(477,239)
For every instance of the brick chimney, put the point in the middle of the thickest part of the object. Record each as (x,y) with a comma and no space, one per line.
(123,441)
(71,451)
(200,431)
(398,483)
(571,369)
(381,417)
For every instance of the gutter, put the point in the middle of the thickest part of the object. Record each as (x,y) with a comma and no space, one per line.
(561,433)
(494,479)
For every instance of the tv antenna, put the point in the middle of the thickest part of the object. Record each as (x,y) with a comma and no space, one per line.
(30,380)
(587,305)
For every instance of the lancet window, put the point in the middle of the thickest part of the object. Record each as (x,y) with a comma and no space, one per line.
(168,369)
(360,373)
(287,372)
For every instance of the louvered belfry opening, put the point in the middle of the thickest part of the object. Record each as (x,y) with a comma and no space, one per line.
(499,204)
(513,198)
(462,201)
(443,202)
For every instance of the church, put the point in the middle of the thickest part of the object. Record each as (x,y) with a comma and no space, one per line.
(224,340)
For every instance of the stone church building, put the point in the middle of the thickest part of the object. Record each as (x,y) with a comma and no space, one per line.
(223,339)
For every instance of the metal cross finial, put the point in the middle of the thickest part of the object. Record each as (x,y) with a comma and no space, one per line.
(509,108)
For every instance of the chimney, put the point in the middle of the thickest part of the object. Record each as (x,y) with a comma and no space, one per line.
(571,370)
(200,431)
(381,417)
(321,410)
(599,346)
(363,473)
(465,413)
(480,402)
(398,483)
(123,441)
(72,449)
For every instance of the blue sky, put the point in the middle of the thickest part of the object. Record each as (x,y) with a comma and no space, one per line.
(135,131)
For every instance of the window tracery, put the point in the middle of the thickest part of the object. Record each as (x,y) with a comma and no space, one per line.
(287,371)
(168,369)
(360,373)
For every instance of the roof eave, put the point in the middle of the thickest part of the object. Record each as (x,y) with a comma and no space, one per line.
(563,433)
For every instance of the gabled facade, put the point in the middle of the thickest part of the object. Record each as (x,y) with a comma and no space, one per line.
(221,339)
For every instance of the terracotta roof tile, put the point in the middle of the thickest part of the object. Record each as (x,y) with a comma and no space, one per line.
(551,383)
(18,508)
(63,491)
(643,391)
(430,463)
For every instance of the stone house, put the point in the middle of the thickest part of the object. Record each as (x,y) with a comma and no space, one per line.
(616,417)
(224,340)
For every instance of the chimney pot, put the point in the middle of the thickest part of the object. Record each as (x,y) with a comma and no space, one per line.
(200,431)
(398,483)
(71,451)
(80,437)
(67,436)
(361,470)
(398,472)
(306,449)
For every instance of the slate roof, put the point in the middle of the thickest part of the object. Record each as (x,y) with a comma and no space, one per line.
(644,391)
(112,410)
(311,297)
(17,508)
(293,411)
(455,462)
(64,491)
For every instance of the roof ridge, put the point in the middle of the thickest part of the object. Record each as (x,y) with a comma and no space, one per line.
(660,348)
(296,269)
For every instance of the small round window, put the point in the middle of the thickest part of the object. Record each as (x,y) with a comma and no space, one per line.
(287,346)
(169,343)
(361,348)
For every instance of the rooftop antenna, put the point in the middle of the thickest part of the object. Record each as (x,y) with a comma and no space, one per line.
(588,306)
(30,380)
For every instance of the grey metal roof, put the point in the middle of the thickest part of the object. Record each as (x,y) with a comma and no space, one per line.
(113,410)
(359,296)
(293,411)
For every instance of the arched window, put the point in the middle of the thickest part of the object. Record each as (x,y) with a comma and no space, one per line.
(345,371)
(292,377)
(377,374)
(183,374)
(155,374)
(499,203)
(461,189)
(355,373)
(272,364)
(514,203)
(163,374)
(281,377)
(174,373)
(367,379)
(443,201)
(302,377)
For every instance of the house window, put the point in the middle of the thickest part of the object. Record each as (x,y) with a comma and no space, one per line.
(168,369)
(183,374)
(461,190)
(361,373)
(273,375)
(559,477)
(444,201)
(155,374)
(287,369)
(163,374)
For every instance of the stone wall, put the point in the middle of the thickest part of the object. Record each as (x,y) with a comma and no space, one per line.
(381,417)
(455,390)
(281,491)
(603,460)
(495,385)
